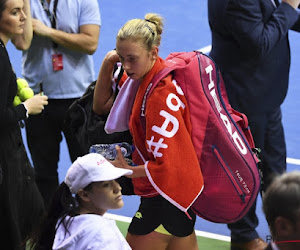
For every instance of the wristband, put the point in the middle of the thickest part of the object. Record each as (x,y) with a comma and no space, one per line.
(27,115)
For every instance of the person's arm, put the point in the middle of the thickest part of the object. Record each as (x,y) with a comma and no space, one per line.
(8,113)
(293,3)
(22,42)
(252,32)
(85,41)
(296,26)
(103,93)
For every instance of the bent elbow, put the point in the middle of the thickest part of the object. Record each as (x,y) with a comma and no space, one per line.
(92,48)
(92,42)
(23,47)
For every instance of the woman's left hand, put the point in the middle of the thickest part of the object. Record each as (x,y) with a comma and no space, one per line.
(120,161)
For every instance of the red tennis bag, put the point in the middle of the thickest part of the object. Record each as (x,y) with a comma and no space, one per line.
(226,154)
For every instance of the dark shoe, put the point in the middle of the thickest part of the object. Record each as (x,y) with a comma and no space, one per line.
(256,244)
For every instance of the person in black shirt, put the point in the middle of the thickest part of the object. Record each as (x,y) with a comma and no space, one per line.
(250,45)
(21,204)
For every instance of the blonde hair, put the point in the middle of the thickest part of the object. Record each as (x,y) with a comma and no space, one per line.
(147,30)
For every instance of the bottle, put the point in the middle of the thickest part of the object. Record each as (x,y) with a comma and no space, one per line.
(109,150)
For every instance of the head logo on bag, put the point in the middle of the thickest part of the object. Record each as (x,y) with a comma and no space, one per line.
(225,153)
(231,129)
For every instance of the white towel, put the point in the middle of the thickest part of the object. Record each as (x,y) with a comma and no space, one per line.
(118,118)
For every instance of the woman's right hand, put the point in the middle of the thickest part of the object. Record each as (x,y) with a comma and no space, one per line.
(35,104)
(110,59)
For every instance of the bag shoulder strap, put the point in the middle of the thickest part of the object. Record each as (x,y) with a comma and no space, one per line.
(120,74)
(156,79)
(180,59)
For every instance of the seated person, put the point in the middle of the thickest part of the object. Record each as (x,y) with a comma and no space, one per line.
(75,218)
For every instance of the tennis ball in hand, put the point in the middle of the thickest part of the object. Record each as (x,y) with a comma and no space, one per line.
(17,100)
(26,93)
(22,83)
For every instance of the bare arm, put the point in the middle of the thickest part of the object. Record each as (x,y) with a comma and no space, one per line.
(104,94)
(85,41)
(22,42)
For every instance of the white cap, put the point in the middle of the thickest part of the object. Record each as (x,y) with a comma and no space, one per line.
(91,168)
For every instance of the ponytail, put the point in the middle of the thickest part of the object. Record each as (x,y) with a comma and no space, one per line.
(63,204)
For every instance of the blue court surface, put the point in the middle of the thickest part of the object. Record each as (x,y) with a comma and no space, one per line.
(186,28)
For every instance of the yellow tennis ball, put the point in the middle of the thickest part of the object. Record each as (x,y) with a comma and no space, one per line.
(22,83)
(26,93)
(17,100)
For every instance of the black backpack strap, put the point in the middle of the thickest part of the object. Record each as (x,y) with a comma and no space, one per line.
(118,78)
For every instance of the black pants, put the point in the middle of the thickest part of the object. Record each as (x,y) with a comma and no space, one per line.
(21,204)
(44,134)
(268,134)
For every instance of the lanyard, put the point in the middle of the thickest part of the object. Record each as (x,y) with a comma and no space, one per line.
(51,17)
(2,43)
(275,3)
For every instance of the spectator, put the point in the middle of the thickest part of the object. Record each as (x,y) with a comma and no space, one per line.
(75,218)
(281,206)
(250,45)
(60,62)
(167,189)
(21,204)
